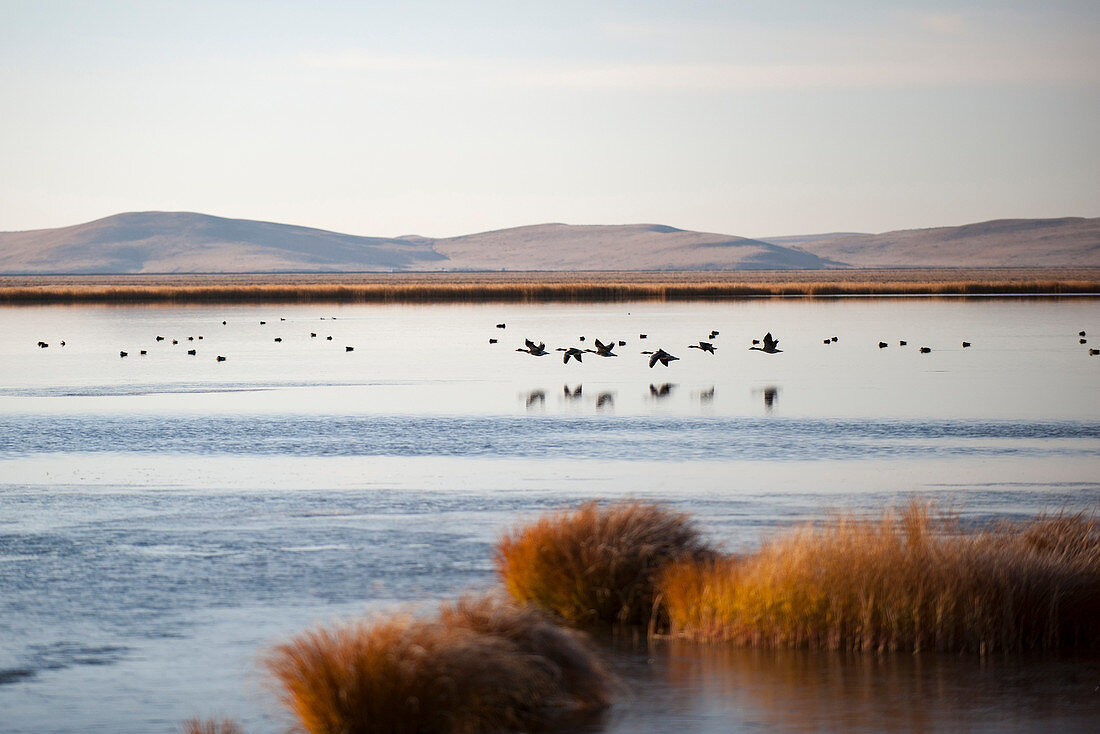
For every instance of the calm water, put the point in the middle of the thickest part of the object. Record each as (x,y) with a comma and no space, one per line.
(164,518)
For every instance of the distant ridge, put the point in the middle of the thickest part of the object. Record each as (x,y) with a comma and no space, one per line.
(185,242)
(1021,243)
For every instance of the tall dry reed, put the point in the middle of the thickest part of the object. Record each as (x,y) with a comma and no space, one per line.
(909,581)
(485,665)
(597,566)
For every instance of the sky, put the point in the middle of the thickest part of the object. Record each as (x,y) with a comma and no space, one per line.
(447,118)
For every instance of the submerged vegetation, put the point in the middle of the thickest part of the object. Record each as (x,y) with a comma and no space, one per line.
(480,665)
(538,287)
(597,566)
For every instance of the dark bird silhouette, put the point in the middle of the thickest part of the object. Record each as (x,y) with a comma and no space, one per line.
(1094,352)
(1083,341)
(175,341)
(966,344)
(223,323)
(535,350)
(42,345)
(603,350)
(882,345)
(643,336)
(925,350)
(827,341)
(770,345)
(328,338)
(902,343)
(142,352)
(62,343)
(349,349)
(1081,333)
(703,347)
(492,341)
(660,356)
(160,338)
(713,334)
(622,343)
(313,335)
(278,338)
(570,352)
(580,338)
(190,338)
(219,358)
(281,319)
(833,339)
(755,341)
(122,354)
(501,326)
(200,337)
(191,352)
(262,323)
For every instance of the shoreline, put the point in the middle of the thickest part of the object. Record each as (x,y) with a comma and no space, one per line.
(536,287)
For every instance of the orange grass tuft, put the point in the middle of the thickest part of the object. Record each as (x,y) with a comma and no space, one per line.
(907,581)
(211,726)
(482,665)
(596,566)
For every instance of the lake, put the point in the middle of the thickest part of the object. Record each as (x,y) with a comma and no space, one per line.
(165,518)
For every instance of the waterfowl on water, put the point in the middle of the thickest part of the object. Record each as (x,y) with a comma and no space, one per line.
(492,341)
(966,344)
(1081,333)
(902,343)
(643,336)
(833,339)
(770,345)
(622,343)
(713,334)
(925,350)
(143,352)
(1083,341)
(278,338)
(191,352)
(175,341)
(262,323)
(570,352)
(62,342)
(603,350)
(190,338)
(1094,352)
(501,326)
(328,338)
(123,354)
(349,349)
(223,323)
(703,347)
(660,356)
(219,358)
(535,350)
(160,338)
(580,338)
(42,345)
(882,345)
(313,335)
(827,341)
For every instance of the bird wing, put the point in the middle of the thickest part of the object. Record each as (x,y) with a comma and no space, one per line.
(653,359)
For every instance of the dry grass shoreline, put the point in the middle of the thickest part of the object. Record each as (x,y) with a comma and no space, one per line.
(539,286)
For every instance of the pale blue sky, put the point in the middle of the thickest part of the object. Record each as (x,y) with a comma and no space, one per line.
(444,118)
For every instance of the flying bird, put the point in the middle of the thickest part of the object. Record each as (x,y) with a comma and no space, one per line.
(703,347)
(535,350)
(570,352)
(770,345)
(660,356)
(603,350)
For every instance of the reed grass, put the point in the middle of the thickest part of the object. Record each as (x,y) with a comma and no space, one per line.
(913,580)
(597,566)
(211,726)
(532,287)
(481,665)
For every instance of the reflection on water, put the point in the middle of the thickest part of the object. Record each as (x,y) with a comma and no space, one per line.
(771,395)
(605,400)
(716,688)
(661,391)
(536,399)
(572,395)
(707,396)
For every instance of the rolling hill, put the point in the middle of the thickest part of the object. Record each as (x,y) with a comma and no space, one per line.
(184,242)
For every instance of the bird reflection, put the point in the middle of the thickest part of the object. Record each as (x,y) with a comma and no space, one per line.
(706,396)
(536,398)
(771,397)
(574,394)
(605,400)
(661,391)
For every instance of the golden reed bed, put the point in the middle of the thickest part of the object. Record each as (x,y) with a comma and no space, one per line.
(538,287)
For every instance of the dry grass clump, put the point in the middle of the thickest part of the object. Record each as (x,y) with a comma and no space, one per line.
(907,581)
(211,726)
(482,665)
(597,566)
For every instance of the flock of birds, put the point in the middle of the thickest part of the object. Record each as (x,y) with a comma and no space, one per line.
(194,352)
(768,345)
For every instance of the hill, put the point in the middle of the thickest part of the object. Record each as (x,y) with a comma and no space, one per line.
(1017,243)
(183,242)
